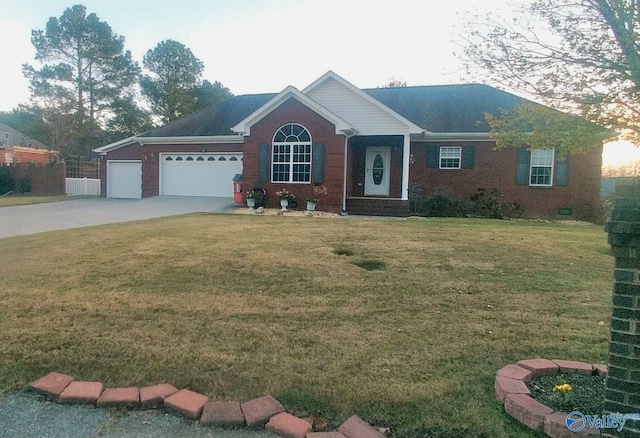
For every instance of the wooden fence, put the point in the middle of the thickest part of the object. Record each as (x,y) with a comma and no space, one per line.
(38,179)
(82,168)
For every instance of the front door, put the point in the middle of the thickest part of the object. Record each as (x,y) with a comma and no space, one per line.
(376,182)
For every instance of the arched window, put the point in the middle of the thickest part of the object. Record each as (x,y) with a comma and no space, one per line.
(291,154)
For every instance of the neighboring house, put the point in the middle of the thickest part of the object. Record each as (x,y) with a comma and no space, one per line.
(11,155)
(367,147)
(11,137)
(16,148)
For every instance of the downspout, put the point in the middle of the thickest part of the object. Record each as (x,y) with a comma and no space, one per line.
(352,132)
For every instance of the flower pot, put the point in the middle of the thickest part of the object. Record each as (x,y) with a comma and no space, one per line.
(284,203)
(251,203)
(311,206)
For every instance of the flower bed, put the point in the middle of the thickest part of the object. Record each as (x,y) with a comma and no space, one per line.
(512,390)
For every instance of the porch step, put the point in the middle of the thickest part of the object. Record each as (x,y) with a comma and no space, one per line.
(378,207)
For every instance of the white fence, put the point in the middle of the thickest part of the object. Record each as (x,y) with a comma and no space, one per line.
(81,186)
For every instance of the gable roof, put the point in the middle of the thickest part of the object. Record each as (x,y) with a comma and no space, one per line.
(20,139)
(244,127)
(435,108)
(370,116)
(446,109)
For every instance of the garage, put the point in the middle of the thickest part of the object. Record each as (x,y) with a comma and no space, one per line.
(199,174)
(124,179)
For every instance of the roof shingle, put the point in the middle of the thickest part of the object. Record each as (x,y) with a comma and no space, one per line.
(440,108)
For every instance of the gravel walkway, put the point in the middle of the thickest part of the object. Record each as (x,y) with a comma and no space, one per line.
(30,415)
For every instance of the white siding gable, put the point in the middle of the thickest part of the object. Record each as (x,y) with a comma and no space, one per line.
(365,116)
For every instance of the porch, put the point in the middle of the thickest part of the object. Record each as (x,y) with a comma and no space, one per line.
(375,176)
(373,206)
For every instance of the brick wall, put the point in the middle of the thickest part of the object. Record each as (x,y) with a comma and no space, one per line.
(623,379)
(322,131)
(497,170)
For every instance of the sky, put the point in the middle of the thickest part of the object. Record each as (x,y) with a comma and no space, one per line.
(263,46)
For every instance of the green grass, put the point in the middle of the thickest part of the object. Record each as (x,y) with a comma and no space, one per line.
(12,200)
(238,306)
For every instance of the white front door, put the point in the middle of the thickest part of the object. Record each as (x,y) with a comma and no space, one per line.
(376,180)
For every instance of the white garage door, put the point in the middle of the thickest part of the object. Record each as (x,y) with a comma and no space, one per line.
(124,179)
(199,174)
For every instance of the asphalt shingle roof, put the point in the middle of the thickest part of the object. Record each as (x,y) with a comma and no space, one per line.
(214,120)
(439,108)
(446,108)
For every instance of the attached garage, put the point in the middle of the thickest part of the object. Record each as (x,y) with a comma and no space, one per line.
(199,174)
(124,179)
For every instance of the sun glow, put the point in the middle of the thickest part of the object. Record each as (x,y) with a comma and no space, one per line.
(620,153)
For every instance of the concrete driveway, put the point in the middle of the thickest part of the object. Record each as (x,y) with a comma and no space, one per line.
(75,213)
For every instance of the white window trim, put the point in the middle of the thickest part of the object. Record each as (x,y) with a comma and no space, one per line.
(291,163)
(552,166)
(459,148)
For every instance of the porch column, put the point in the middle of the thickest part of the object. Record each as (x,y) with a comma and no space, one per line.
(405,167)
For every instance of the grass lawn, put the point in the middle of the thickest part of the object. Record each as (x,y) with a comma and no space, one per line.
(11,200)
(236,306)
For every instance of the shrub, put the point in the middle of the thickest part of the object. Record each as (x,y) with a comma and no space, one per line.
(7,183)
(442,205)
(25,185)
(483,203)
(492,205)
(415,198)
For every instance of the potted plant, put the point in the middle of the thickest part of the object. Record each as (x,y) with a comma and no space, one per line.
(311,204)
(318,190)
(284,196)
(251,199)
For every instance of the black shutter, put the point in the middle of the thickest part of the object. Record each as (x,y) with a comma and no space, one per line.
(468,157)
(433,155)
(263,163)
(562,172)
(317,168)
(522,168)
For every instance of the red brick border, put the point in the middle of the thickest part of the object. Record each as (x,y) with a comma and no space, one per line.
(264,410)
(511,390)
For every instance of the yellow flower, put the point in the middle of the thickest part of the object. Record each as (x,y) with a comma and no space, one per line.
(563,388)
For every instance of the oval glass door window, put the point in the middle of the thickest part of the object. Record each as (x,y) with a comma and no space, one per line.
(377,169)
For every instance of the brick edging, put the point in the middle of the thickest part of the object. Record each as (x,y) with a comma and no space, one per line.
(264,411)
(511,389)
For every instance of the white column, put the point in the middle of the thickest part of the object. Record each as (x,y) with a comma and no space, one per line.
(405,167)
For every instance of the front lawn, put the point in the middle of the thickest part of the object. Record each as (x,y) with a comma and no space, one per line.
(21,199)
(404,323)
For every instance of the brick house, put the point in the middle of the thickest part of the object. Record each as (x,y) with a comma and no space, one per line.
(18,148)
(12,155)
(367,147)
